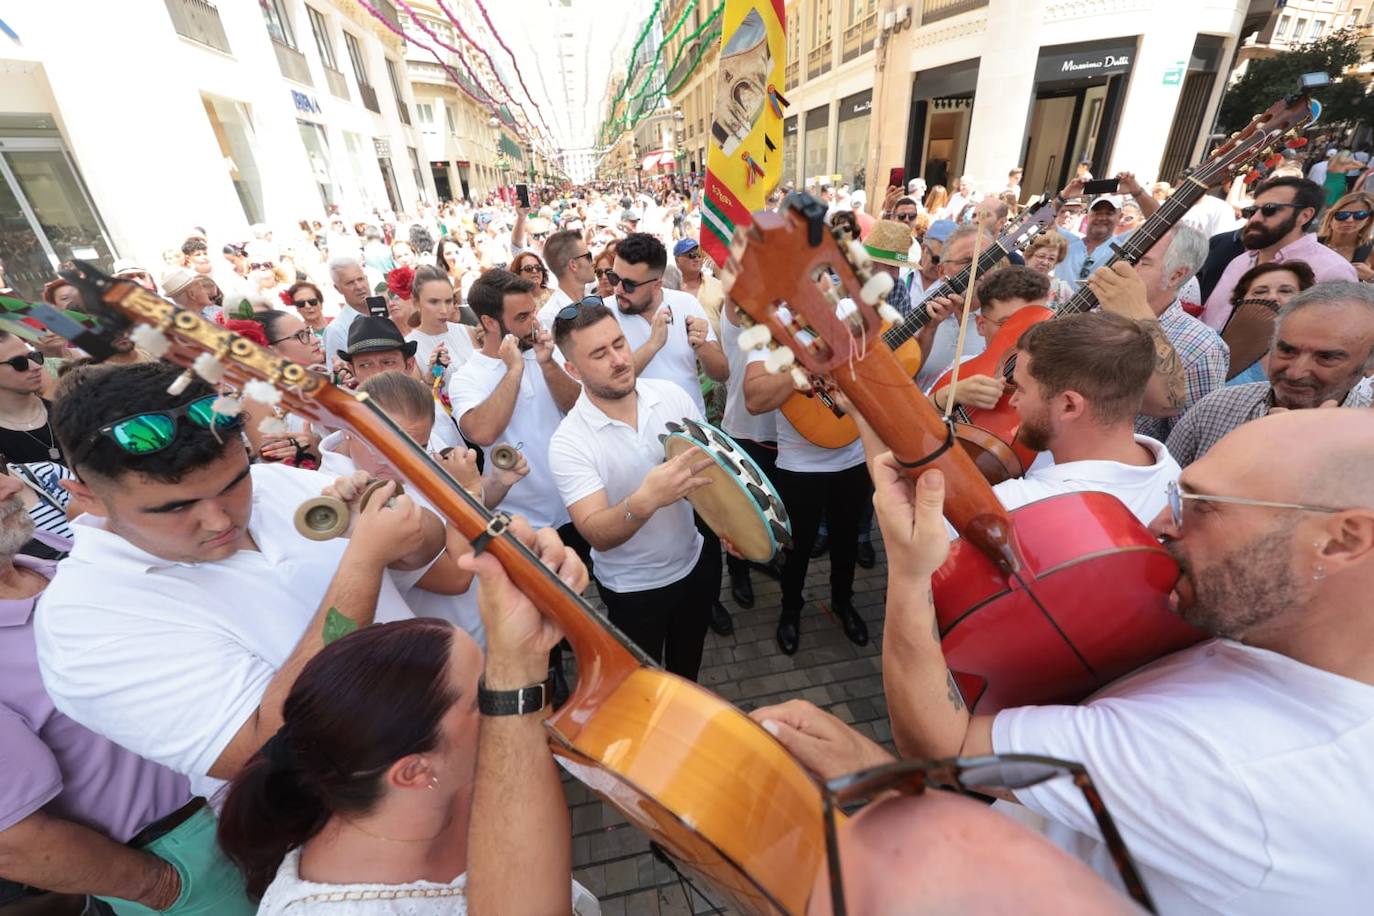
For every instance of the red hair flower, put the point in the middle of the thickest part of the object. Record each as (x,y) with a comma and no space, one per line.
(252,330)
(287,299)
(400,281)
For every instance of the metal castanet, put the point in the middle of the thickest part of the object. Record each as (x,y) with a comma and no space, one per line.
(689,769)
(1044,604)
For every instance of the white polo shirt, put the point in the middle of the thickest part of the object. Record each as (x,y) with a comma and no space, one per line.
(1239,779)
(797,454)
(549,312)
(591,452)
(456,337)
(170,659)
(677,361)
(535,417)
(737,421)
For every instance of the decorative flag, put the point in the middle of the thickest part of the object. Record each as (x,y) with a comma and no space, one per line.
(739,172)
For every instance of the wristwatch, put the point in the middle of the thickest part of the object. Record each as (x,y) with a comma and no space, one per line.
(513,702)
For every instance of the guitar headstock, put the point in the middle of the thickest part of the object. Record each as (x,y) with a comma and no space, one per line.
(1033,222)
(205,348)
(1267,134)
(778,274)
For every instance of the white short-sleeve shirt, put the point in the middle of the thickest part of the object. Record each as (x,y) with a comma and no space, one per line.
(170,659)
(535,417)
(591,452)
(797,454)
(677,361)
(1239,779)
(737,420)
(336,334)
(455,337)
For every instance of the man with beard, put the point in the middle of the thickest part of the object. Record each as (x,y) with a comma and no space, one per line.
(1102,227)
(653,568)
(1237,770)
(1276,230)
(1323,347)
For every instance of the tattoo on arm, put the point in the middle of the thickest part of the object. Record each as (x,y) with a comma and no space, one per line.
(1168,365)
(956,699)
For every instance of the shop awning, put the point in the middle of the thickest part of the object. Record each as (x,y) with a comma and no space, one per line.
(659,157)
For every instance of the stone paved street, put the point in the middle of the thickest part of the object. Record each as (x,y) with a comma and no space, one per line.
(611,858)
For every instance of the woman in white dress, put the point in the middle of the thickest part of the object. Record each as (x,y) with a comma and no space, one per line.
(354,810)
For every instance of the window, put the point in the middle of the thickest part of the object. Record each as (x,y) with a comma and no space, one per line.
(448,116)
(1281,30)
(1318,26)
(1356,15)
(321,30)
(425,111)
(1299,29)
(355,55)
(401,109)
(278,25)
(232,124)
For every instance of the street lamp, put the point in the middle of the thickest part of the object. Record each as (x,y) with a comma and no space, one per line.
(639,167)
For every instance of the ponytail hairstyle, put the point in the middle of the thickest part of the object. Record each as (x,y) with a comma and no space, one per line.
(429,273)
(341,734)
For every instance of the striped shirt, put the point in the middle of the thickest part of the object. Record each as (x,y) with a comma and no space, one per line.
(43,477)
(1205,357)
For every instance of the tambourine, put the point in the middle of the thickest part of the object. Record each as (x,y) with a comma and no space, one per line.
(741,505)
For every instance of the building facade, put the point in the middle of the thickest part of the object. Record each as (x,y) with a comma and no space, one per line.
(976,87)
(159,115)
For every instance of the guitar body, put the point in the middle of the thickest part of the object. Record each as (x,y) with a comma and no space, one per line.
(1002,422)
(1106,581)
(699,777)
(816,419)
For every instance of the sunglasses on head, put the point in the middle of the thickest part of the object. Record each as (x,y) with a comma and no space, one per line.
(569,312)
(304,303)
(21,362)
(151,432)
(629,286)
(1267,210)
(1343,215)
(979,775)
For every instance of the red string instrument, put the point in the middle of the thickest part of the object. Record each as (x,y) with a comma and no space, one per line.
(695,774)
(1002,423)
(1041,605)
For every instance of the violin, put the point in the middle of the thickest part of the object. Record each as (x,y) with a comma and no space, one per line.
(1041,605)
(691,771)
(991,434)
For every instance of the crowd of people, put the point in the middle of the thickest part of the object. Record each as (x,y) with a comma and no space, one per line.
(207,712)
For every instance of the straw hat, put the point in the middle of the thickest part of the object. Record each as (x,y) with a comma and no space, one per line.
(889,243)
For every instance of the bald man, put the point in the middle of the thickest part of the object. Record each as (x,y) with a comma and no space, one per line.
(1239,769)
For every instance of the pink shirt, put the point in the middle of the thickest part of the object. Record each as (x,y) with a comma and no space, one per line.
(1325,263)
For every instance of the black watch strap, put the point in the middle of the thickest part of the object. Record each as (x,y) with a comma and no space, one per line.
(520,702)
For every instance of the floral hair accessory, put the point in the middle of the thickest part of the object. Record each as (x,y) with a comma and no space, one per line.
(286,298)
(252,330)
(400,281)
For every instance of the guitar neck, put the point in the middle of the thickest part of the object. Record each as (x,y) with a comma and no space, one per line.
(919,315)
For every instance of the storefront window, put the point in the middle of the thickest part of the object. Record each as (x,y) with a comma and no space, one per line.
(359,166)
(851,141)
(817,141)
(790,139)
(233,127)
(65,223)
(317,152)
(419,176)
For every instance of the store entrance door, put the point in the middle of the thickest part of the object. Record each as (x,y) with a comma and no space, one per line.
(1065,129)
(46,216)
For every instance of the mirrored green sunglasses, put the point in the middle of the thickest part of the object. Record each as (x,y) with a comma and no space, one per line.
(148,433)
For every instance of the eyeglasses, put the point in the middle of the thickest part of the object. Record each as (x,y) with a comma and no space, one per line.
(927,253)
(21,362)
(1177,496)
(569,312)
(266,265)
(532,269)
(305,303)
(904,217)
(578,257)
(149,433)
(602,272)
(976,774)
(1267,210)
(629,286)
(1343,215)
(304,335)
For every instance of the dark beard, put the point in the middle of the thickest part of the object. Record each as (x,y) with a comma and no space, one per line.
(1248,587)
(526,342)
(1256,236)
(629,308)
(1033,436)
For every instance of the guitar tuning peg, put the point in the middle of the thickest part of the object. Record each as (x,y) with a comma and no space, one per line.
(799,379)
(262,392)
(754,337)
(877,287)
(858,255)
(208,367)
(779,359)
(888,314)
(150,340)
(181,383)
(274,426)
(226,406)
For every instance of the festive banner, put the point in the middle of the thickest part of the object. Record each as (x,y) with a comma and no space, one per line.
(744,163)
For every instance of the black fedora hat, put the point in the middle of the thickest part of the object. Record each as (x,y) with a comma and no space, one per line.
(374,335)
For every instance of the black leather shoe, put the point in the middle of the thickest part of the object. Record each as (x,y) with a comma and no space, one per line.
(741,589)
(821,546)
(854,626)
(721,623)
(866,556)
(789,633)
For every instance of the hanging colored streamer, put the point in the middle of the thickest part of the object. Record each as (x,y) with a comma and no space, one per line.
(752,58)
(518,75)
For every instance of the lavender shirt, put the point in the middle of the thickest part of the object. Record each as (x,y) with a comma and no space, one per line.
(51,763)
(1325,263)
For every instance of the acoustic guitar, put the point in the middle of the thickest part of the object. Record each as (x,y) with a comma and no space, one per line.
(1041,605)
(691,771)
(991,433)
(815,414)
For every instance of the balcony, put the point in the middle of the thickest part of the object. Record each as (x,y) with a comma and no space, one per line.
(198,20)
(369,96)
(934,10)
(292,63)
(792,75)
(388,11)
(859,37)
(818,59)
(337,84)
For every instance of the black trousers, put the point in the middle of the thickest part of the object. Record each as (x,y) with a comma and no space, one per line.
(669,623)
(843,497)
(766,454)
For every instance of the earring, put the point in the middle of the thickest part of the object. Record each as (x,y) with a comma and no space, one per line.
(434,782)
(1319,574)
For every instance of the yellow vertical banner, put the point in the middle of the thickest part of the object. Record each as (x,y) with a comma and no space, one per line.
(744,162)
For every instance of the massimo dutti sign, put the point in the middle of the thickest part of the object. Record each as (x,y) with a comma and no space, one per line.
(1077,64)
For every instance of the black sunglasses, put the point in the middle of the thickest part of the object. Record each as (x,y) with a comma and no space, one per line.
(569,312)
(266,265)
(21,362)
(1267,209)
(629,286)
(904,217)
(980,775)
(1343,215)
(303,303)
(601,272)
